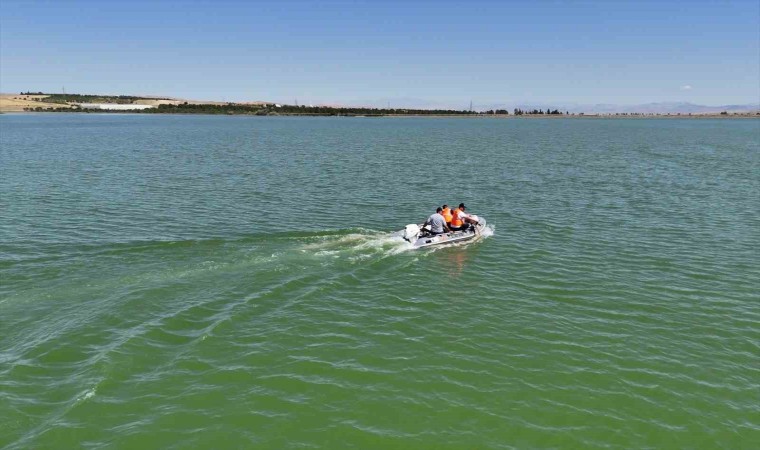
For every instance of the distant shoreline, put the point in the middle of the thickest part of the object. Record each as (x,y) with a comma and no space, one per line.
(120,104)
(432,116)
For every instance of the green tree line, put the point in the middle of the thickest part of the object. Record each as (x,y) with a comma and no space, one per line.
(555,112)
(271,109)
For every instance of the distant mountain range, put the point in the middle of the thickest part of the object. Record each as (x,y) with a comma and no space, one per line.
(656,108)
(600,108)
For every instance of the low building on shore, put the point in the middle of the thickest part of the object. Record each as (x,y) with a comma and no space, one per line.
(113,106)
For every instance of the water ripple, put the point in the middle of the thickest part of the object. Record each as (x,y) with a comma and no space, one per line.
(195,280)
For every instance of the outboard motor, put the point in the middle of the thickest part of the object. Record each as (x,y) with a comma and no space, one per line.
(411,232)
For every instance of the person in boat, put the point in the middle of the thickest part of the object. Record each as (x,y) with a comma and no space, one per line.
(437,223)
(460,220)
(446,213)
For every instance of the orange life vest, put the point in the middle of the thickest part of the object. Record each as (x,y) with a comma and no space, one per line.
(456,222)
(446,213)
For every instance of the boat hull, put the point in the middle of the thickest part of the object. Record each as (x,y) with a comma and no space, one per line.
(454,237)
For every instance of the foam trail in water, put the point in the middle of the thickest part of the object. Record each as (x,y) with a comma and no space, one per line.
(361,245)
(369,243)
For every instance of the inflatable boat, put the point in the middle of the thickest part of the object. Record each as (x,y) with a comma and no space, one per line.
(420,237)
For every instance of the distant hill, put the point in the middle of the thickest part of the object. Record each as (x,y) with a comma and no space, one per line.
(668,108)
(646,108)
(599,108)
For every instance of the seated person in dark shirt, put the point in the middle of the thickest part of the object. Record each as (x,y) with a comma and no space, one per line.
(437,223)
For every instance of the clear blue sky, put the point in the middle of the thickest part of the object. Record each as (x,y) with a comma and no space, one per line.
(624,52)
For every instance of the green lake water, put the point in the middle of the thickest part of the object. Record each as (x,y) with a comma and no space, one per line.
(232,282)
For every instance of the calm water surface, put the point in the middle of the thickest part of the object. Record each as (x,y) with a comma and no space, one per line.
(230,282)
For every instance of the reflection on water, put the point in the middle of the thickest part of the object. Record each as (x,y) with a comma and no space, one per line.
(456,257)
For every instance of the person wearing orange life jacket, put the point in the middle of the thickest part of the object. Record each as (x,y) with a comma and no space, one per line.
(460,220)
(446,213)
(457,223)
